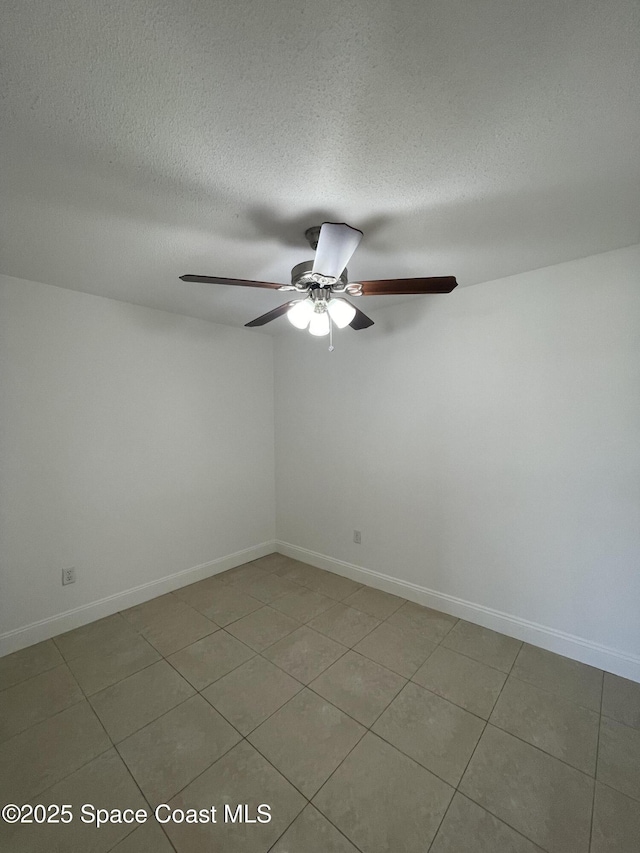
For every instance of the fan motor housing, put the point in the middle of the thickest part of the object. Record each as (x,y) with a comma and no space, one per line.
(301,278)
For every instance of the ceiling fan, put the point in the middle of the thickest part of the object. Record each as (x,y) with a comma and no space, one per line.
(323,281)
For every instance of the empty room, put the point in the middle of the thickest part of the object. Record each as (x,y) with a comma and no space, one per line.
(320,426)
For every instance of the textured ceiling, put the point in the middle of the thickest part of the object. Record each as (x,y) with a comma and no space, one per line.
(143,139)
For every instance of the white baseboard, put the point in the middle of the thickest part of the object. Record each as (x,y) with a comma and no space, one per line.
(577,648)
(36,632)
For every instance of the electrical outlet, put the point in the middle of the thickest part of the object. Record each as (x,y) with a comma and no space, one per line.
(357,537)
(68,576)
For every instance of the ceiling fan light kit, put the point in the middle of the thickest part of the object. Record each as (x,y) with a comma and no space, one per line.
(325,279)
(306,312)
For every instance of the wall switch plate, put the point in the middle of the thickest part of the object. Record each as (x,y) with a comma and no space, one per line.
(357,537)
(68,576)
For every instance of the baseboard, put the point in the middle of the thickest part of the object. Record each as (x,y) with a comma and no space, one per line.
(36,632)
(577,648)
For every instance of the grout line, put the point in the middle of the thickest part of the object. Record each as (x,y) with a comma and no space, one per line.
(450,701)
(72,704)
(446,812)
(457,787)
(270,763)
(506,672)
(135,782)
(302,686)
(309,804)
(543,751)
(202,772)
(228,672)
(564,700)
(154,720)
(90,696)
(505,822)
(30,677)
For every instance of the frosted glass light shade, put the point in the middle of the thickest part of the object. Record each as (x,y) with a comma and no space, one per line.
(341,312)
(300,313)
(336,243)
(319,324)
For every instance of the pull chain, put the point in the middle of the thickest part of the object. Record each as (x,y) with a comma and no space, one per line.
(331,347)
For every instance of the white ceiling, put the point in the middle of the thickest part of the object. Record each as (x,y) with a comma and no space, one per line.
(143,139)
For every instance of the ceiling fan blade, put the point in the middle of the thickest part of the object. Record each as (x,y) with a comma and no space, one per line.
(392,286)
(272,315)
(360,321)
(208,279)
(336,244)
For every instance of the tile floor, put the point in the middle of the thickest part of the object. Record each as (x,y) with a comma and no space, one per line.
(366,722)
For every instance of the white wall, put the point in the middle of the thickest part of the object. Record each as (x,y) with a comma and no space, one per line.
(135,444)
(487,445)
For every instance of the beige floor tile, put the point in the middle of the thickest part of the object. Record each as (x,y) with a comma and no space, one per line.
(435,733)
(40,697)
(483,645)
(169,753)
(568,678)
(251,693)
(148,838)
(468,828)
(104,783)
(396,648)
(96,670)
(240,776)
(303,605)
(173,632)
(312,833)
(344,624)
(241,574)
(189,593)
(621,700)
(561,728)
(465,682)
(26,663)
(619,757)
(616,822)
(202,595)
(149,613)
(334,586)
(304,654)
(210,658)
(283,567)
(230,605)
(36,759)
(431,624)
(376,603)
(302,573)
(139,699)
(266,587)
(272,562)
(100,636)
(263,628)
(359,687)
(383,801)
(306,740)
(283,570)
(539,796)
